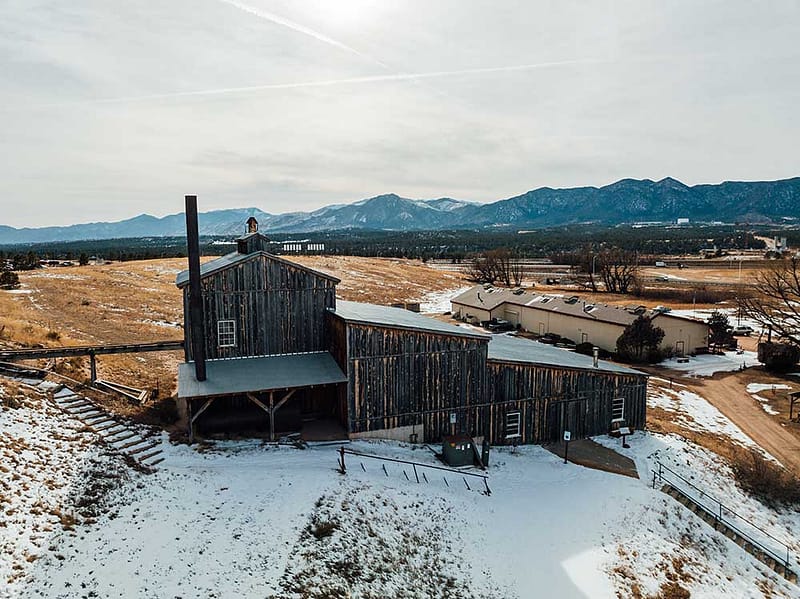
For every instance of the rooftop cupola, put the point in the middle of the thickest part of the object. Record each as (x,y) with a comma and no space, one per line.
(252,241)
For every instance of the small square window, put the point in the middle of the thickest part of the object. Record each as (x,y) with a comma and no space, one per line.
(513,425)
(226,333)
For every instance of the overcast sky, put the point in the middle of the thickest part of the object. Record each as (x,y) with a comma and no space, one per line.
(110,109)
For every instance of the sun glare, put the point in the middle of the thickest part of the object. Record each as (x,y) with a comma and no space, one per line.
(345,13)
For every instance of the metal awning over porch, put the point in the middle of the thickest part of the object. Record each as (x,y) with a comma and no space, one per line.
(265,373)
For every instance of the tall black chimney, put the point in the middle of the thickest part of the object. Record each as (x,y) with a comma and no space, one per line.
(195,294)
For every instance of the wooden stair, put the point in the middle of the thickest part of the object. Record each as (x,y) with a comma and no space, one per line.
(720,526)
(112,430)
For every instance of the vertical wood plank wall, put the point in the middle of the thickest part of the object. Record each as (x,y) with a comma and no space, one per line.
(400,377)
(551,400)
(277,309)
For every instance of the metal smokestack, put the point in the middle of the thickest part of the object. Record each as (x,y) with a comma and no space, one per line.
(195,293)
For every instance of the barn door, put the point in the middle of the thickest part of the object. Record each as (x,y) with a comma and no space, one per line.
(567,415)
(680,348)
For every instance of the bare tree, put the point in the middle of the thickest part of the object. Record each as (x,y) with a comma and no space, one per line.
(496,265)
(776,304)
(619,269)
(482,269)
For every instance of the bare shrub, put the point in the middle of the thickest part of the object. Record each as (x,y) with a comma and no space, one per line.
(320,530)
(672,590)
(765,479)
(700,295)
(53,336)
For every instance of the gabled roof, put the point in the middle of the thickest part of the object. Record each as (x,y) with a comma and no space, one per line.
(506,348)
(483,298)
(234,258)
(398,318)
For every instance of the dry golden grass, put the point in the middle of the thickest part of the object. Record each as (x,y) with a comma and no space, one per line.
(135,302)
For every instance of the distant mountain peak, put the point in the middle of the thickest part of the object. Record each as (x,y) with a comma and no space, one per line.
(626,200)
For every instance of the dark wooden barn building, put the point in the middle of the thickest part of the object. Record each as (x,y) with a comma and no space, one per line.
(270,350)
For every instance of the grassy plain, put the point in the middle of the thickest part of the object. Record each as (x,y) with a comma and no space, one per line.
(130,302)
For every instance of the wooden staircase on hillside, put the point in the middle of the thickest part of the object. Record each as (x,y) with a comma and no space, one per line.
(121,437)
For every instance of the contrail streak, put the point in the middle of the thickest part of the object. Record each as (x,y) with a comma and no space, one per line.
(279,20)
(349,81)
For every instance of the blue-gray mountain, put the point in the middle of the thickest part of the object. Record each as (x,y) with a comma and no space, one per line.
(625,201)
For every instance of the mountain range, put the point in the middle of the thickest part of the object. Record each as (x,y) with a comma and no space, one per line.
(626,201)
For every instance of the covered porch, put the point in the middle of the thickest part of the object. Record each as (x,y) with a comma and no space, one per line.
(266,396)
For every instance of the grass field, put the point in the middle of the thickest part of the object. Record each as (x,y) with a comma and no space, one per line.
(132,302)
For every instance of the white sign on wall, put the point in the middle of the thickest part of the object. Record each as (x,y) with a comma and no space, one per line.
(567,435)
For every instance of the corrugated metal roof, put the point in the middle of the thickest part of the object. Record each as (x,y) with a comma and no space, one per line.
(234,258)
(506,348)
(264,373)
(398,318)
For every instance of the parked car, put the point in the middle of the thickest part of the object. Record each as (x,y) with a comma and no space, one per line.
(743,330)
(498,325)
(662,279)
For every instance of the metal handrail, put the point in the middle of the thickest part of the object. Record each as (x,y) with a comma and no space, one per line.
(343,451)
(721,516)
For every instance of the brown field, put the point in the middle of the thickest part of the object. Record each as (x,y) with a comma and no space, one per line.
(130,302)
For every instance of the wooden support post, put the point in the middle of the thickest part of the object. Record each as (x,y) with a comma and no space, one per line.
(92,367)
(272,416)
(189,420)
(271,408)
(193,419)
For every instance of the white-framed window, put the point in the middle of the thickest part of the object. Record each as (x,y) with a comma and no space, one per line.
(513,425)
(618,409)
(584,337)
(226,333)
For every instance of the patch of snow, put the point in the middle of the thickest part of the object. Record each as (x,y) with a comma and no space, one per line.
(437,302)
(694,412)
(53,275)
(731,313)
(765,404)
(19,291)
(758,387)
(708,364)
(161,323)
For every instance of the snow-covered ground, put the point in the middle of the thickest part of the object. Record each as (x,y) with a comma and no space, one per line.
(437,302)
(53,476)
(754,389)
(695,413)
(708,364)
(247,519)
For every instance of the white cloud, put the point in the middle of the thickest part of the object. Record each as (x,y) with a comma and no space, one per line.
(430,99)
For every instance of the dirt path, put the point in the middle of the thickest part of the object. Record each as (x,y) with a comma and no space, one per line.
(728,394)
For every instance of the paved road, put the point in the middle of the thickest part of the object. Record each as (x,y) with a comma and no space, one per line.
(729,394)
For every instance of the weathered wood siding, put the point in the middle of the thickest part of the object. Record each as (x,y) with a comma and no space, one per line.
(400,377)
(551,400)
(278,308)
